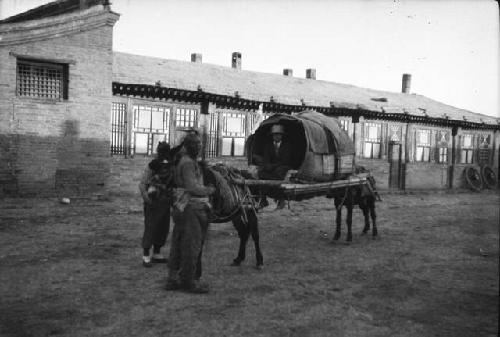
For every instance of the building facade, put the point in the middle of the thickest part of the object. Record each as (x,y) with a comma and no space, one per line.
(55,98)
(77,118)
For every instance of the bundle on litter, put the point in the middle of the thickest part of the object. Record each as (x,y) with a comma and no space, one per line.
(323,151)
(229,198)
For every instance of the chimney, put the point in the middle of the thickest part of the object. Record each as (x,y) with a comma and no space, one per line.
(311,74)
(405,88)
(288,72)
(236,60)
(196,58)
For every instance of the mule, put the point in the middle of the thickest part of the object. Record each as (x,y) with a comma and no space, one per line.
(364,196)
(234,202)
(246,225)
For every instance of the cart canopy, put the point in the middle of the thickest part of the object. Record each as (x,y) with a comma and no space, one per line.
(323,151)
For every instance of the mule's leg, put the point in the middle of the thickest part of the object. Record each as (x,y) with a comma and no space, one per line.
(349,221)
(366,214)
(338,220)
(253,225)
(371,204)
(243,233)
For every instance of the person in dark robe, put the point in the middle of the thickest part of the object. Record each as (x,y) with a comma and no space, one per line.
(276,159)
(155,189)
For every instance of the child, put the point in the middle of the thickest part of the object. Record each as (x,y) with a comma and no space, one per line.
(155,187)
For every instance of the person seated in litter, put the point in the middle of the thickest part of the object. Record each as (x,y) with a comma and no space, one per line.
(276,160)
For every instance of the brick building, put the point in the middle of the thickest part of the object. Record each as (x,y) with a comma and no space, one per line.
(55,98)
(77,117)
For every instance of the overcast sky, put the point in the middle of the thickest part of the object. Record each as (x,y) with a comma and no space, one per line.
(451,48)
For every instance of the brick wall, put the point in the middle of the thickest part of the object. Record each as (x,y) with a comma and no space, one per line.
(426,176)
(57,147)
(459,177)
(126,172)
(379,169)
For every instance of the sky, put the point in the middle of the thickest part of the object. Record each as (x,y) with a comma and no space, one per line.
(451,48)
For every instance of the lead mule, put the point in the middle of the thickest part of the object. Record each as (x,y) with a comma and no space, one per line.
(233,202)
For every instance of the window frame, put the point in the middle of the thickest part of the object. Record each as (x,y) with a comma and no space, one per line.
(345,124)
(183,114)
(442,156)
(231,136)
(118,136)
(467,153)
(151,131)
(40,85)
(372,141)
(426,148)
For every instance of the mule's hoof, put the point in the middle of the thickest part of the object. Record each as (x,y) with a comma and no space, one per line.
(235,263)
(259,267)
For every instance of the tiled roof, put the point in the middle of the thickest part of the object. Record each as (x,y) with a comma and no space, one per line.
(128,68)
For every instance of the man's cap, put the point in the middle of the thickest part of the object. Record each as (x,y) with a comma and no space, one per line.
(277,128)
(163,148)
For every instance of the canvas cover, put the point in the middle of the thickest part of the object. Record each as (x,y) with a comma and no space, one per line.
(323,151)
(325,134)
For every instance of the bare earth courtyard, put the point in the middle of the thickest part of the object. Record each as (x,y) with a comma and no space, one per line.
(75,270)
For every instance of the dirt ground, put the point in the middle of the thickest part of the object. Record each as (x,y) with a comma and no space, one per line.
(75,270)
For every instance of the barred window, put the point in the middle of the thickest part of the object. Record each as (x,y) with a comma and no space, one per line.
(443,154)
(43,80)
(118,128)
(233,134)
(467,149)
(443,146)
(185,118)
(484,151)
(372,139)
(423,152)
(212,140)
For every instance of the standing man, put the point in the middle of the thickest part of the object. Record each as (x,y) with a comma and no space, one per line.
(156,194)
(190,214)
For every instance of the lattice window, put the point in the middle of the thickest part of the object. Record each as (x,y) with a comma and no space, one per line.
(212,141)
(118,128)
(443,155)
(442,139)
(151,125)
(42,80)
(185,118)
(423,151)
(233,134)
(467,152)
(372,140)
(484,152)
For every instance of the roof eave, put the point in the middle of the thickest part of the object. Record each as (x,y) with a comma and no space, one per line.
(225,101)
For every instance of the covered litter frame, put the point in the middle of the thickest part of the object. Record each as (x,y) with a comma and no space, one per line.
(323,151)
